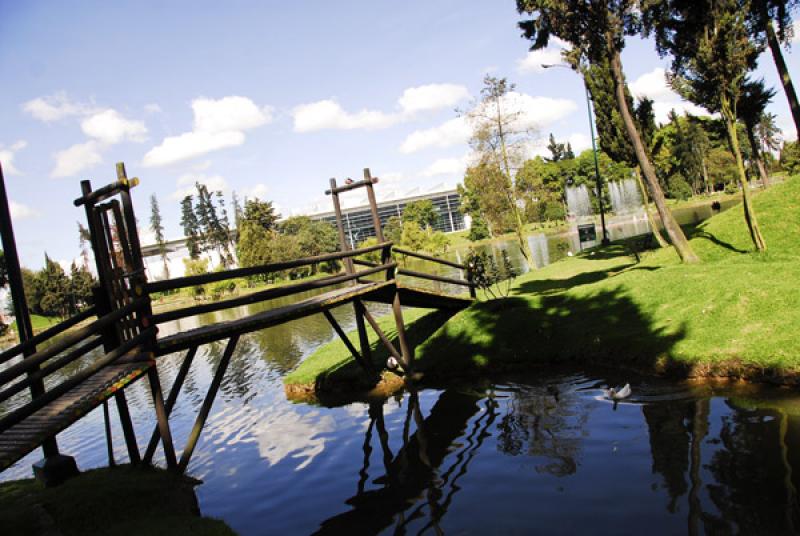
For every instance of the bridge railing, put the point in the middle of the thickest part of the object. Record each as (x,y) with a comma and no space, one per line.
(61,352)
(466,273)
(270,293)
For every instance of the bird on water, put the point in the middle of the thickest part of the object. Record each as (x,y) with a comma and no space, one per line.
(618,394)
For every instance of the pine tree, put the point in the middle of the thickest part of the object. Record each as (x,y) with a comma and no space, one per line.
(83,239)
(158,230)
(237,210)
(190,227)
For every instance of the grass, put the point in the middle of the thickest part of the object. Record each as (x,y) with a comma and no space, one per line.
(735,314)
(120,501)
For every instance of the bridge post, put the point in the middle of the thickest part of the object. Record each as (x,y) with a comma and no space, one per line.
(55,467)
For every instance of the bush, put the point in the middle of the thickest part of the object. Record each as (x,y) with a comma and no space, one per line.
(731,188)
(679,188)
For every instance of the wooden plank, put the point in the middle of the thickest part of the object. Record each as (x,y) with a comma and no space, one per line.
(272,317)
(25,436)
(426,299)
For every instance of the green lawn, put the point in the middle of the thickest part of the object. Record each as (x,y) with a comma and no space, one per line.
(116,501)
(735,314)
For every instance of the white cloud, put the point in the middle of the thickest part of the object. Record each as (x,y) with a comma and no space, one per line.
(328,114)
(20,211)
(7,157)
(152,108)
(653,85)
(218,124)
(452,132)
(77,158)
(579,142)
(431,97)
(110,127)
(186,184)
(534,113)
(54,107)
(796,32)
(447,166)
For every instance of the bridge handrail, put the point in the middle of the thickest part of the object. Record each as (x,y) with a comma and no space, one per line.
(49,333)
(268,294)
(202,279)
(429,258)
(39,402)
(440,278)
(30,364)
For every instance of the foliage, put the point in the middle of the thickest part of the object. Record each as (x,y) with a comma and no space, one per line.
(790,157)
(393,229)
(478,230)
(196,267)
(484,194)
(313,238)
(191,227)
(485,272)
(421,212)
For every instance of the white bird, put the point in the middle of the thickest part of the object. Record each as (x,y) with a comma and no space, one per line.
(392,363)
(614,394)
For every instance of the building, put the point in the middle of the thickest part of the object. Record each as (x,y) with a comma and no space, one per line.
(358,219)
(357,223)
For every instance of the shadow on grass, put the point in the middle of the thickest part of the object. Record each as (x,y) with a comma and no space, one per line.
(605,328)
(552,286)
(705,235)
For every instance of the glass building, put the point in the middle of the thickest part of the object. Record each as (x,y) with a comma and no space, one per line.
(358,220)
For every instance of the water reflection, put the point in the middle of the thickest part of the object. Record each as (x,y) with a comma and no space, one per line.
(477,455)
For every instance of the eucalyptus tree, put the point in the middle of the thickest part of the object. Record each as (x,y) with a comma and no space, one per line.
(751,109)
(596,30)
(499,139)
(711,57)
(764,16)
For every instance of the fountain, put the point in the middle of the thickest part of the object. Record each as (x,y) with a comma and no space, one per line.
(629,213)
(579,212)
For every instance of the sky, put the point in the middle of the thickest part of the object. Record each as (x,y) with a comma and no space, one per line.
(270,99)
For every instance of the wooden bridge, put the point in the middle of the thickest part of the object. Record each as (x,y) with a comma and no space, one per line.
(45,396)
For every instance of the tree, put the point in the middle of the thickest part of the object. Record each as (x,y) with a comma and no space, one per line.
(557,150)
(83,240)
(313,237)
(54,284)
(712,55)
(257,234)
(762,17)
(790,157)
(81,283)
(499,135)
(484,194)
(158,231)
(191,227)
(596,30)
(421,212)
(237,209)
(393,229)
(751,107)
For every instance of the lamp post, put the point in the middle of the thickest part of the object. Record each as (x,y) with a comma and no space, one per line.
(605,241)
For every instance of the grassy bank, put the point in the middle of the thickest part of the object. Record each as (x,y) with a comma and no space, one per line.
(735,314)
(106,501)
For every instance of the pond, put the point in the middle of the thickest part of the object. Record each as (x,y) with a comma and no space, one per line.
(545,451)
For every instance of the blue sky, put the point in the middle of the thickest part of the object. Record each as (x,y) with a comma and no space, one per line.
(266,98)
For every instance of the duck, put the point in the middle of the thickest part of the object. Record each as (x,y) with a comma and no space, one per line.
(618,394)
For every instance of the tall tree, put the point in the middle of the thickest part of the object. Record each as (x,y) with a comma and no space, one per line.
(157,227)
(751,107)
(712,54)
(763,16)
(83,244)
(191,227)
(237,209)
(484,194)
(499,135)
(596,30)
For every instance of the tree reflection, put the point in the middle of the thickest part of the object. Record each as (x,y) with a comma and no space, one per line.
(420,480)
(545,422)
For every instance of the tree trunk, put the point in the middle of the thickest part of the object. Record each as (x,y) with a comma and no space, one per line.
(749,214)
(674,231)
(705,177)
(757,156)
(513,188)
(662,243)
(783,73)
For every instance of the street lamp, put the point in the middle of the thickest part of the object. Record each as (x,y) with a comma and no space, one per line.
(605,241)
